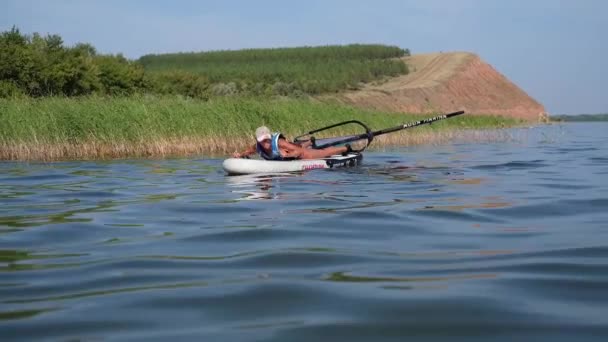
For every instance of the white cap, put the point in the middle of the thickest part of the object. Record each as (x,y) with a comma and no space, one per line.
(262,133)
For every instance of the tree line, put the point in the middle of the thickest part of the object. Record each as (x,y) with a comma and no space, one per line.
(580,117)
(36,66)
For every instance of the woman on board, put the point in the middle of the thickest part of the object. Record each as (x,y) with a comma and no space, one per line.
(274,146)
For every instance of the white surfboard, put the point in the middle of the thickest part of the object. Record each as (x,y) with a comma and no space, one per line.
(241,166)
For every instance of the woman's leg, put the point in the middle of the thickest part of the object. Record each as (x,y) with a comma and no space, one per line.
(326,152)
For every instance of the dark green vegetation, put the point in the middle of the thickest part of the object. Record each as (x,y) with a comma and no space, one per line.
(42,66)
(581,117)
(285,71)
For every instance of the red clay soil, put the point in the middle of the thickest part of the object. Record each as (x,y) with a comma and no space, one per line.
(446,82)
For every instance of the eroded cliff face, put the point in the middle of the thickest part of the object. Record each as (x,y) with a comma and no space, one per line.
(445,82)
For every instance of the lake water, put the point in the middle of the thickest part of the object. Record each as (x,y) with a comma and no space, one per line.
(471,241)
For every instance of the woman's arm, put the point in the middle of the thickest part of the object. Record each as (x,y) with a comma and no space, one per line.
(249,151)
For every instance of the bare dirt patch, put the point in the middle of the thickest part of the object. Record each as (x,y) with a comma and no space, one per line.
(444,82)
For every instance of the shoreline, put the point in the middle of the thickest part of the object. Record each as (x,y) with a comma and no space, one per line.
(48,129)
(206,147)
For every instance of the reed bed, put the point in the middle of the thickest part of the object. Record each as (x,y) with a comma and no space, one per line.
(102,128)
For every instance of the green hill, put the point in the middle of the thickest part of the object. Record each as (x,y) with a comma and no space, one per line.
(281,71)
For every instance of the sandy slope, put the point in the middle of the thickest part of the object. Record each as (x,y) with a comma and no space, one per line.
(444,82)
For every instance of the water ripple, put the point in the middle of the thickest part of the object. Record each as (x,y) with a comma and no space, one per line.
(462,241)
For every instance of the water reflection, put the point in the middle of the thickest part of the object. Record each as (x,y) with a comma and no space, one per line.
(343,277)
(258,187)
(20,260)
(22,314)
(67,216)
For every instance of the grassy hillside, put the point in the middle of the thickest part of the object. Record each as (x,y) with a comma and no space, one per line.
(283,71)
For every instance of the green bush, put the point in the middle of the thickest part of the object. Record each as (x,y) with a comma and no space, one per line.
(43,66)
(9,89)
(119,76)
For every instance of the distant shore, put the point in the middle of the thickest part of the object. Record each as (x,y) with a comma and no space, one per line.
(49,129)
(579,118)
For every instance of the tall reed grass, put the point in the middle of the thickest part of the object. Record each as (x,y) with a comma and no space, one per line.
(148,126)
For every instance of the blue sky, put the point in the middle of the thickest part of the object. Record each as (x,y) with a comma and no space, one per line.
(555,50)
